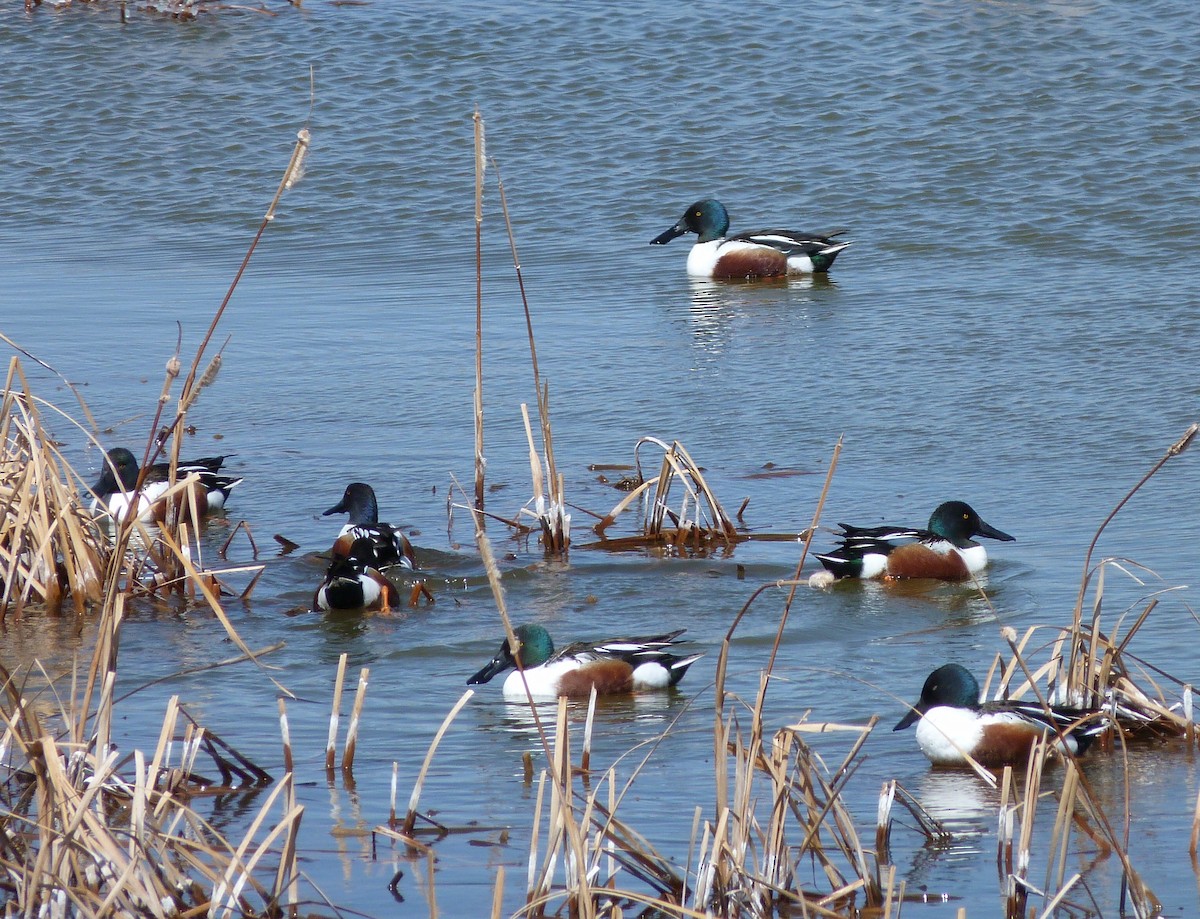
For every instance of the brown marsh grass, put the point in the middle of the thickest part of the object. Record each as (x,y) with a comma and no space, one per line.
(84,831)
(51,551)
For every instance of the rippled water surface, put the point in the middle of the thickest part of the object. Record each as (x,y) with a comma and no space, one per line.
(1015,325)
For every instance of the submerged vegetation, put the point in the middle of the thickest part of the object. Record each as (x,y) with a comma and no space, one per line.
(88,831)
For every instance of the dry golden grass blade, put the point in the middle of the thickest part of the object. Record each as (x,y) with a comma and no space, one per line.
(548,510)
(411,817)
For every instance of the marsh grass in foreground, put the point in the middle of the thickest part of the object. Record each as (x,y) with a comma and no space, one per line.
(85,831)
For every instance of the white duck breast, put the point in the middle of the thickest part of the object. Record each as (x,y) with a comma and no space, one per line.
(975,558)
(942,722)
(543,680)
(702,260)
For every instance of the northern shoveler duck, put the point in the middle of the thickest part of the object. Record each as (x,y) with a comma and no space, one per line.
(945,550)
(391,546)
(114,492)
(758,254)
(353,583)
(953,722)
(619,665)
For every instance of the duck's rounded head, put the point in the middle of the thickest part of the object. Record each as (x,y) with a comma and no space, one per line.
(536,649)
(359,502)
(952,685)
(707,218)
(126,466)
(957,522)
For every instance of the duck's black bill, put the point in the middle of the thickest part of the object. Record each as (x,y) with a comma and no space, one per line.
(339,508)
(494,666)
(986,529)
(663,238)
(908,720)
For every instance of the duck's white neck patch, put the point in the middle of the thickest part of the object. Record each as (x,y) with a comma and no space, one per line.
(943,722)
(702,260)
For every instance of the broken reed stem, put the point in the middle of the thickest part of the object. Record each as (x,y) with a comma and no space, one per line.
(395,787)
(335,714)
(498,894)
(542,392)
(411,817)
(355,718)
(480,168)
(286,734)
(585,757)
(808,536)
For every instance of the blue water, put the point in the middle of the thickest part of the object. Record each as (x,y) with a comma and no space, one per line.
(1012,326)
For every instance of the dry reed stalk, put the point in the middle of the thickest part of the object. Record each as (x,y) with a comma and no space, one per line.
(355,718)
(1194,845)
(555,522)
(493,575)
(480,169)
(414,799)
(192,387)
(335,713)
(498,893)
(549,508)
(585,756)
(285,733)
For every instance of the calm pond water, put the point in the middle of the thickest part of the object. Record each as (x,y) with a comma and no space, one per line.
(1015,326)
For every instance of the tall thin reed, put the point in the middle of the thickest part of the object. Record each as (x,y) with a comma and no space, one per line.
(480,169)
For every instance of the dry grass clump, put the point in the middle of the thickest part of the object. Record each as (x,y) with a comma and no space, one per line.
(51,551)
(86,833)
(698,522)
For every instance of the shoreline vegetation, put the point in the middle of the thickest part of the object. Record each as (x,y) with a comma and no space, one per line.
(88,831)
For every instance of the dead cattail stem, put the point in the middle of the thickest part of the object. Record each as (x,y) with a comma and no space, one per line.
(355,716)
(335,714)
(291,175)
(286,734)
(498,894)
(480,168)
(411,817)
(585,757)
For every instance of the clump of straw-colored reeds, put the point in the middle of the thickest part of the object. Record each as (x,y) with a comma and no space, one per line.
(87,833)
(697,523)
(83,831)
(51,551)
